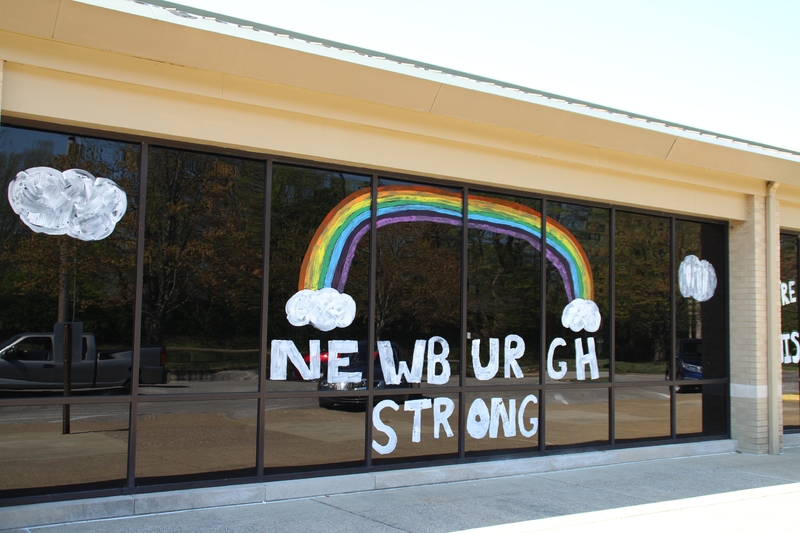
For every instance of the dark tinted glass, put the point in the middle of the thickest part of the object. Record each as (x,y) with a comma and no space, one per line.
(576,417)
(701,346)
(577,292)
(37,455)
(791,404)
(503,280)
(189,441)
(642,274)
(414,427)
(299,434)
(418,285)
(641,413)
(202,269)
(700,410)
(319,279)
(700,297)
(79,264)
(502,422)
(790,338)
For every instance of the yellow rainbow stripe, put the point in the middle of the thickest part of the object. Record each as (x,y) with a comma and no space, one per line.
(330,253)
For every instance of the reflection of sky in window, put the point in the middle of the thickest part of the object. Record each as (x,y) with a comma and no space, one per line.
(350,182)
(17,140)
(385,182)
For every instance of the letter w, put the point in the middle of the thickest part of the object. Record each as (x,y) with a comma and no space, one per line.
(390,374)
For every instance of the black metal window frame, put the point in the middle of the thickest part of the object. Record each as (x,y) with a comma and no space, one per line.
(262,396)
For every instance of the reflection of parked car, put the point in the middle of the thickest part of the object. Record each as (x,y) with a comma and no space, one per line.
(292,373)
(358,363)
(28,361)
(688,362)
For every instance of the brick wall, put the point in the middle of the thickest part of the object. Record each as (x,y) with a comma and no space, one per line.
(748,327)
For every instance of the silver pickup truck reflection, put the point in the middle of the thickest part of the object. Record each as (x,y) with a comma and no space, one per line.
(28,362)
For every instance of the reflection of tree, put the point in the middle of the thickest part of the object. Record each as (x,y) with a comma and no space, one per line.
(503,285)
(44,278)
(11,162)
(418,279)
(643,288)
(504,290)
(301,199)
(590,226)
(26,297)
(202,245)
(704,320)
(687,313)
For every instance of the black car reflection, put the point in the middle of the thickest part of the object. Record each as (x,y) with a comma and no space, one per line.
(358,363)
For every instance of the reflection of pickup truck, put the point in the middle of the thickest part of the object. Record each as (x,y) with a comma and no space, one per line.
(28,361)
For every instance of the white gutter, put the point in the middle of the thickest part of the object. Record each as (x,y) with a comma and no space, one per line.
(774,395)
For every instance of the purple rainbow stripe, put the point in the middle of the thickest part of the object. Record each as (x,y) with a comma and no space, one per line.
(330,254)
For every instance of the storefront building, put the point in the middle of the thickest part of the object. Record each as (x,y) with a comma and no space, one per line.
(318,261)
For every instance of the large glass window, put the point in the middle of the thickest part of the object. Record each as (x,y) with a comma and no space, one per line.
(502,422)
(317,319)
(504,264)
(643,286)
(421,428)
(318,280)
(576,417)
(292,318)
(302,434)
(68,254)
(701,315)
(641,413)
(577,300)
(790,338)
(418,283)
(577,325)
(201,297)
(38,457)
(418,308)
(197,440)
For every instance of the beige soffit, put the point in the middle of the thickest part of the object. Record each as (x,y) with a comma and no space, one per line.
(148,31)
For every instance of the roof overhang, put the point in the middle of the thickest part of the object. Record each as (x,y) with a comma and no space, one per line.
(210,44)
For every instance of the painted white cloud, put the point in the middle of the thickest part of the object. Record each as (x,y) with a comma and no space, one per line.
(73,203)
(697,279)
(581,314)
(324,309)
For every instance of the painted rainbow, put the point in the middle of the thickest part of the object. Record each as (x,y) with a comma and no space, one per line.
(330,254)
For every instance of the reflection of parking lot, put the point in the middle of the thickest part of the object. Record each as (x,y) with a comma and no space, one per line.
(34,453)
(791,404)
(177,438)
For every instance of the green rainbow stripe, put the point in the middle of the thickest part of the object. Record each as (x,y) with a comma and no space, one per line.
(330,253)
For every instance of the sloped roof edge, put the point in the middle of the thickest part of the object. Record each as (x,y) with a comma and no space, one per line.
(184,14)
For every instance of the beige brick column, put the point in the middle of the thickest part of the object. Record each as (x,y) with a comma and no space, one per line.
(749,327)
(774,355)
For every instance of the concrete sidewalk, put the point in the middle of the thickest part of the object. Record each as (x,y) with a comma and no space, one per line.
(668,494)
(764,509)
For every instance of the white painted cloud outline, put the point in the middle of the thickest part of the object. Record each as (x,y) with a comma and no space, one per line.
(581,314)
(697,279)
(325,309)
(73,203)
